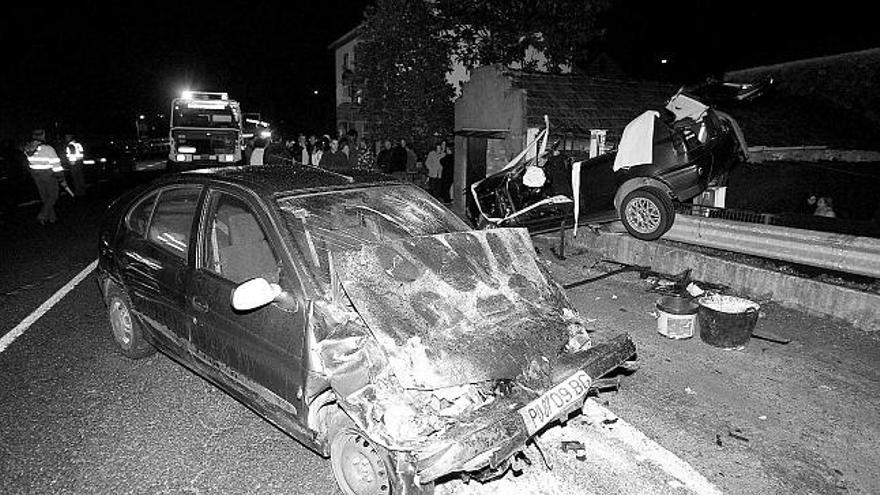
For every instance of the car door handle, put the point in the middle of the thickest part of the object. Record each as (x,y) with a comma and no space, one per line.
(200,305)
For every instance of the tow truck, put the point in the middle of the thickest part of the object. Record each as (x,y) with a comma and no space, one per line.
(205,131)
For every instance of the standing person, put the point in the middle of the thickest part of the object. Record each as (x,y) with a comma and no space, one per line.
(397,166)
(275,153)
(73,151)
(317,153)
(448,173)
(334,159)
(383,158)
(435,168)
(47,173)
(349,155)
(302,153)
(258,152)
(412,161)
(312,146)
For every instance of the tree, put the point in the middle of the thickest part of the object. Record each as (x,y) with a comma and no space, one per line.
(401,65)
(501,31)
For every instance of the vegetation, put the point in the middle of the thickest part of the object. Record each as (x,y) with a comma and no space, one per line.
(407,48)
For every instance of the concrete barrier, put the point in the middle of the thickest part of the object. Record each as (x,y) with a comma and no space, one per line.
(861,309)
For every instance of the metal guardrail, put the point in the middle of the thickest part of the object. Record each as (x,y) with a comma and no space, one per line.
(845,253)
(796,220)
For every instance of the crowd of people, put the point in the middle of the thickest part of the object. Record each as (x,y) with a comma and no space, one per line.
(50,163)
(348,150)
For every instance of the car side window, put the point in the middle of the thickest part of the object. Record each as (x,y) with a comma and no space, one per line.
(237,247)
(173,219)
(139,216)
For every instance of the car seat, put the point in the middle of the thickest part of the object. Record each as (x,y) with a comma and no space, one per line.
(248,254)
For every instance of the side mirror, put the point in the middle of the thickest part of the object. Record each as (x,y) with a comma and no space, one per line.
(254,293)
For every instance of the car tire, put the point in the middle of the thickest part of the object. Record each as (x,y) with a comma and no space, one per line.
(362,467)
(127,331)
(647,213)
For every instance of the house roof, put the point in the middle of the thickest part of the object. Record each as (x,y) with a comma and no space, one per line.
(345,38)
(832,101)
(576,104)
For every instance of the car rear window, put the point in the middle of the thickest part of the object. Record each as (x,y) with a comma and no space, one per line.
(337,221)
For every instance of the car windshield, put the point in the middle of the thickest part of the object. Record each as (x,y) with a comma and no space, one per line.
(204,114)
(338,221)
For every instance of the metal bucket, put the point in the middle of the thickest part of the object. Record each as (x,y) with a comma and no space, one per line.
(677,317)
(727,321)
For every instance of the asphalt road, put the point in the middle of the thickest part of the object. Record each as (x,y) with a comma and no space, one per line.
(77,417)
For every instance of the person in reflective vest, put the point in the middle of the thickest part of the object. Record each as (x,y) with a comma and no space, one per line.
(74,153)
(48,174)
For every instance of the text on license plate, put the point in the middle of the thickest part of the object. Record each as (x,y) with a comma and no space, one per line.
(542,410)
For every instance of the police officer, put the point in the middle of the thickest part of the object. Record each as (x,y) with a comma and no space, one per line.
(74,153)
(48,174)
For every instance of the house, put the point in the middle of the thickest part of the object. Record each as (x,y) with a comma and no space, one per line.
(348,97)
(500,109)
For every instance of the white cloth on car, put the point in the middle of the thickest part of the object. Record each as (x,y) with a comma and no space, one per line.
(637,143)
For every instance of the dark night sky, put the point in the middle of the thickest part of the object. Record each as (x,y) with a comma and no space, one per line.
(94,67)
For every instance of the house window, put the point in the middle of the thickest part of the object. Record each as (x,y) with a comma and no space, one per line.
(597,142)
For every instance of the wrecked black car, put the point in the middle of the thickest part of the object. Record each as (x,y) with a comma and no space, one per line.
(663,156)
(355,313)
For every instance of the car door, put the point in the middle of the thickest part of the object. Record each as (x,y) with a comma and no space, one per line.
(262,349)
(155,261)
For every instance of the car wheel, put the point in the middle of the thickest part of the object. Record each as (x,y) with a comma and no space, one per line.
(360,467)
(127,331)
(647,213)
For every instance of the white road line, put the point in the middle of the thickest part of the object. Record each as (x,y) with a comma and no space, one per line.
(46,306)
(651,450)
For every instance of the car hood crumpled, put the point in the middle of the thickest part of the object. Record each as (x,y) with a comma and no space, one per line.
(458,308)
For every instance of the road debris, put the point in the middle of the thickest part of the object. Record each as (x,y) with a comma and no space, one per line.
(580,452)
(737,434)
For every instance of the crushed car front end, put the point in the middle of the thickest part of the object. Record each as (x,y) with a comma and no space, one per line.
(459,349)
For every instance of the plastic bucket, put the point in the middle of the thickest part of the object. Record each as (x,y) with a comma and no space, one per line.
(727,321)
(677,317)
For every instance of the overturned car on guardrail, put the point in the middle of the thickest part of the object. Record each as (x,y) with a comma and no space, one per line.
(669,155)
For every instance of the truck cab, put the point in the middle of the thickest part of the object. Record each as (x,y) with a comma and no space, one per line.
(205,131)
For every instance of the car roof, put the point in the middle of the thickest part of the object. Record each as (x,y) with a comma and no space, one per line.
(286,180)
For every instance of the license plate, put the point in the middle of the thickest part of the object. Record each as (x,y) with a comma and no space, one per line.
(558,399)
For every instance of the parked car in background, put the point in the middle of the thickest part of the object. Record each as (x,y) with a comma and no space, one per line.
(663,156)
(354,312)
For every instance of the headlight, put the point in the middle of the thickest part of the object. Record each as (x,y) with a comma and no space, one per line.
(181,158)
